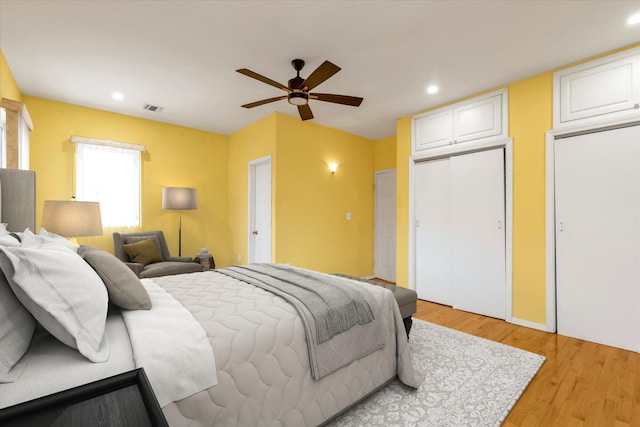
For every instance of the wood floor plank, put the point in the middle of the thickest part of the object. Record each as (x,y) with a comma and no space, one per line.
(580,384)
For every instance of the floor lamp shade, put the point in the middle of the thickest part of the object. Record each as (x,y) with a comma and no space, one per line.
(181,199)
(70,218)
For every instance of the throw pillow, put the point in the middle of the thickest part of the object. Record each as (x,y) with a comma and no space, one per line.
(144,252)
(124,288)
(63,293)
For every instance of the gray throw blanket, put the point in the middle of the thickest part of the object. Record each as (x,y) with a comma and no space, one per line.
(329,308)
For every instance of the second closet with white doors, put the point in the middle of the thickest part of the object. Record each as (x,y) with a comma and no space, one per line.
(597,212)
(460,257)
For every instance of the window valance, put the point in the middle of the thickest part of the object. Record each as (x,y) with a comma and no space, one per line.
(106,143)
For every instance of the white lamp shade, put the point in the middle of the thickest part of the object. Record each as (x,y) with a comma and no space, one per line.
(70,218)
(179,198)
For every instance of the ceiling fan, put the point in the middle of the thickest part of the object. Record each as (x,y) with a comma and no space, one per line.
(298,88)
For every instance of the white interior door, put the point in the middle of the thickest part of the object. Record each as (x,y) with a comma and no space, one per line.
(433,231)
(597,203)
(478,232)
(260,210)
(385,225)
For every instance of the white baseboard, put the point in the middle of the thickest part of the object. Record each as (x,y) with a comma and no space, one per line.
(528,324)
(368,277)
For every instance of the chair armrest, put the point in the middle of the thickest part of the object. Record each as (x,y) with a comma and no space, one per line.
(136,267)
(179,259)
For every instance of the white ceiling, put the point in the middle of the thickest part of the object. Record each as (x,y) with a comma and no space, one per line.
(182,55)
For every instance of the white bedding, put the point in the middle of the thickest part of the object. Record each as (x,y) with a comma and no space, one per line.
(260,354)
(51,366)
(171,346)
(262,357)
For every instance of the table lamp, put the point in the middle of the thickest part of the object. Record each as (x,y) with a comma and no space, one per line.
(70,218)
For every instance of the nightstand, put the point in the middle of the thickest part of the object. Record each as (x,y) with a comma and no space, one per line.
(205,259)
(123,400)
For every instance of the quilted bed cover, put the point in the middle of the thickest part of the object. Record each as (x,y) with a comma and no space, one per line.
(262,359)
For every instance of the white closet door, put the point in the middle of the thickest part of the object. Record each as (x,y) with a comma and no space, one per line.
(433,231)
(598,237)
(477,232)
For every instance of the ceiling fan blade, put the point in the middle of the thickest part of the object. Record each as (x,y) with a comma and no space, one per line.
(337,99)
(263,79)
(305,112)
(264,101)
(322,73)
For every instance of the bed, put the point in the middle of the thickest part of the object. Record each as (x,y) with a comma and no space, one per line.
(218,350)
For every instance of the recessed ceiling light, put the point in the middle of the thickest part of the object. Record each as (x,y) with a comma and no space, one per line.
(117,96)
(432,89)
(634,19)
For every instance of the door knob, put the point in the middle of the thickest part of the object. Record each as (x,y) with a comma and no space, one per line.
(255,232)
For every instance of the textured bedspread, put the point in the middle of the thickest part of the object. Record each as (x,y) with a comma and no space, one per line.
(262,359)
(339,321)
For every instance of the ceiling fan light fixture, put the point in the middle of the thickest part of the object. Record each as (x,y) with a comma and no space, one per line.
(298,98)
(298,90)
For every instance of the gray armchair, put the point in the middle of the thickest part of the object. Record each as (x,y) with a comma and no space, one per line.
(168,266)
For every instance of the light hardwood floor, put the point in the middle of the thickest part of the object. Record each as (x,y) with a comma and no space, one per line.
(579,384)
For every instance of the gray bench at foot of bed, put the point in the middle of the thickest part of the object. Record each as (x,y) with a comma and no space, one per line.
(406,299)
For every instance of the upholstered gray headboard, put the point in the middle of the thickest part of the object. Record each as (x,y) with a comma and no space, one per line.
(18,199)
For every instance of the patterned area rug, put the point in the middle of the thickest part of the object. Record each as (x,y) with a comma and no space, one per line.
(470,381)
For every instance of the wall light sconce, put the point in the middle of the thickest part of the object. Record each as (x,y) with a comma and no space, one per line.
(333,167)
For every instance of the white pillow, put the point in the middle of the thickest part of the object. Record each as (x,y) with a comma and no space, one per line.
(44,239)
(8,240)
(63,293)
(16,330)
(3,229)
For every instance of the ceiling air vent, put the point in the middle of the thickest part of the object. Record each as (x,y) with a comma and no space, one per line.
(153,108)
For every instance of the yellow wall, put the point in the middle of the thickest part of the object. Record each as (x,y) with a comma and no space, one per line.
(384,153)
(309,204)
(530,117)
(175,156)
(250,143)
(8,87)
(311,226)
(403,152)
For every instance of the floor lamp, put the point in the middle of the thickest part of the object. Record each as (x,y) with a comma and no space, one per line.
(180,199)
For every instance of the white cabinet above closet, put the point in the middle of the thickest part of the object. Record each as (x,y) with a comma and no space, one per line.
(603,90)
(480,118)
(433,130)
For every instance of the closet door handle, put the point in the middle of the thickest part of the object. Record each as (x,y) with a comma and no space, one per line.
(561,226)
(499,224)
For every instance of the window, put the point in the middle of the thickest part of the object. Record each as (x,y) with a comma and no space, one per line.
(109,172)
